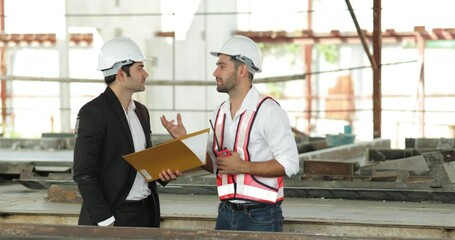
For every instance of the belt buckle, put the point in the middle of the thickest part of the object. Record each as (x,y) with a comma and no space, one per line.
(240,206)
(236,206)
(233,205)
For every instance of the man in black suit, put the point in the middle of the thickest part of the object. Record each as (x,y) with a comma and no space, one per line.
(107,128)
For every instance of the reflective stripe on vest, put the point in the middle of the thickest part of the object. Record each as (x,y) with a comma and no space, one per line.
(244,186)
(225,180)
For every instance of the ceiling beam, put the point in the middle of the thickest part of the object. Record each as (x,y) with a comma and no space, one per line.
(43,38)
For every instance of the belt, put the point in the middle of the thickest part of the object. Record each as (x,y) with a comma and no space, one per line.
(245,206)
(133,203)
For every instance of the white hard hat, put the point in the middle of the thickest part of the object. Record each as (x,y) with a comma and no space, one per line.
(243,49)
(117,52)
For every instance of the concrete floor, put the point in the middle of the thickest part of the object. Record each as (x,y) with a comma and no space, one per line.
(19,204)
(316,217)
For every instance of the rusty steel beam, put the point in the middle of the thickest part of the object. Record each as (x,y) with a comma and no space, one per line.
(308,56)
(79,38)
(14,38)
(165,34)
(361,35)
(421,87)
(324,167)
(376,65)
(40,231)
(335,36)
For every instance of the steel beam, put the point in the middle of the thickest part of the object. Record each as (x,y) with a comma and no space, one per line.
(36,231)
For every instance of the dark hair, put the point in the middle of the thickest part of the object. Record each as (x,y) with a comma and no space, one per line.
(237,64)
(109,79)
(126,68)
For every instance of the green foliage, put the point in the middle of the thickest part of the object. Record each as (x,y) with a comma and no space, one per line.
(331,52)
(279,48)
(288,50)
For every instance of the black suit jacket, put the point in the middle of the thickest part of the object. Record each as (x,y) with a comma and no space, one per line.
(103,177)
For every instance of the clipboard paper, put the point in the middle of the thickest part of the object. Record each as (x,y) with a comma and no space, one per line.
(182,154)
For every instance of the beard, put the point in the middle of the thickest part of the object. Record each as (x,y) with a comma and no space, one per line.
(226,85)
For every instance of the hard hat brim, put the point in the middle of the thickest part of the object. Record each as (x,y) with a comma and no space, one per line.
(216,54)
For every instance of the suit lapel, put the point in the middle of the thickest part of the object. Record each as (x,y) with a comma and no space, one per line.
(120,113)
(143,118)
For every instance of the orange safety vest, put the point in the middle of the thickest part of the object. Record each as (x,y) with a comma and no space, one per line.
(244,186)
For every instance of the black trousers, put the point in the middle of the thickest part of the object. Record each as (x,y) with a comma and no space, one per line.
(143,213)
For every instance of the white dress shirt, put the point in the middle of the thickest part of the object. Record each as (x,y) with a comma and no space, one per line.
(140,189)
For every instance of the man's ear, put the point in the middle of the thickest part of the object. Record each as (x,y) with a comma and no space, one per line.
(243,70)
(120,75)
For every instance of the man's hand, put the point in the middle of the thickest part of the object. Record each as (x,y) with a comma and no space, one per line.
(173,129)
(169,175)
(230,164)
(235,165)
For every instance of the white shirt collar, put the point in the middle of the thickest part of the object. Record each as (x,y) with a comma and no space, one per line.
(131,106)
(249,102)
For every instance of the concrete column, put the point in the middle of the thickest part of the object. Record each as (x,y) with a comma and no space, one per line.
(64,88)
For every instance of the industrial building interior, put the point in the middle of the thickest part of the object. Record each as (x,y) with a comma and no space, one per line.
(367,86)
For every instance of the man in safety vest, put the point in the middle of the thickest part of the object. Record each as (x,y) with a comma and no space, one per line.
(251,146)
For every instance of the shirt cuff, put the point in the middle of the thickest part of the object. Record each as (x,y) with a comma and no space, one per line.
(107,222)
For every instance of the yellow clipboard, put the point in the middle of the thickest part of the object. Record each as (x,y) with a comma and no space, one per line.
(182,154)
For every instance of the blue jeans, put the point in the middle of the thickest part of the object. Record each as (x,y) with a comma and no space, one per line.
(268,218)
